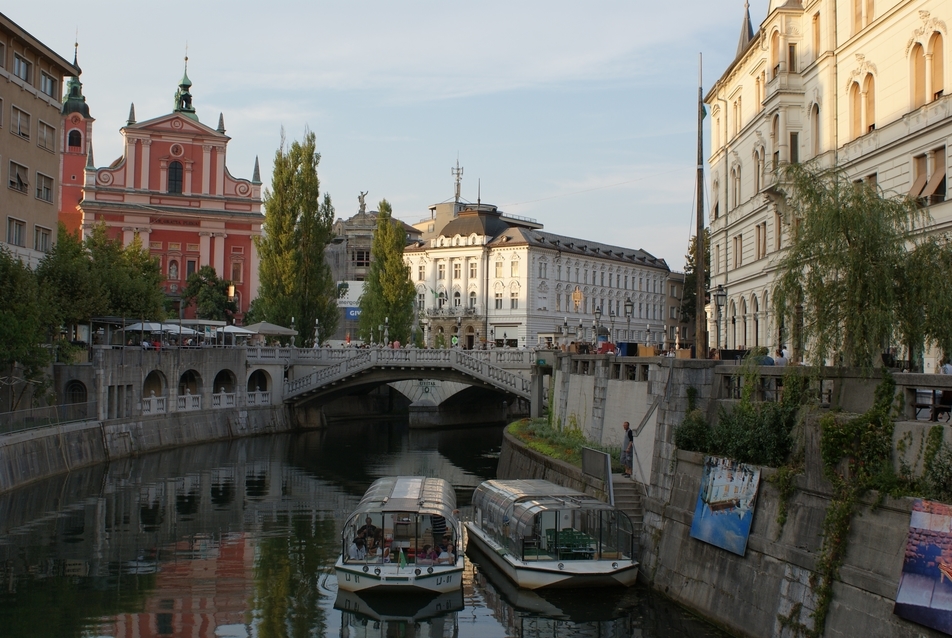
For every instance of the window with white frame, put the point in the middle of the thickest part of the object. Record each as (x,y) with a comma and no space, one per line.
(16,232)
(42,239)
(20,123)
(498,300)
(22,68)
(421,301)
(48,85)
(457,270)
(44,187)
(472,269)
(498,270)
(514,269)
(46,136)
(513,300)
(472,299)
(236,272)
(441,270)
(19,180)
(421,272)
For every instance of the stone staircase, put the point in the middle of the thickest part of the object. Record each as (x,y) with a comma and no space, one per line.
(628,498)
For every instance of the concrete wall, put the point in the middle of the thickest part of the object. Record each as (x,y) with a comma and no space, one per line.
(36,454)
(744,594)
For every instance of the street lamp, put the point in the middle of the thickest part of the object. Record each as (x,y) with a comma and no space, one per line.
(598,318)
(317,332)
(386,330)
(492,333)
(459,331)
(565,331)
(292,328)
(648,335)
(611,331)
(629,310)
(380,331)
(720,298)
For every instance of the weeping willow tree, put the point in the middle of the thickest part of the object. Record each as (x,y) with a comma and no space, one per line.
(859,272)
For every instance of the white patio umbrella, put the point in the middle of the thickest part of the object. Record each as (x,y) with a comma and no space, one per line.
(148,326)
(174,328)
(237,330)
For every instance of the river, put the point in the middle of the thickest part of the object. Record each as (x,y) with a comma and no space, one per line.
(238,539)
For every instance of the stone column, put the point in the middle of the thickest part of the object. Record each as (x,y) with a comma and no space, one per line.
(206,167)
(220,170)
(130,163)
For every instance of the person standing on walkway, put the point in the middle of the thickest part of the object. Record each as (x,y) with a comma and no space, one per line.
(627,447)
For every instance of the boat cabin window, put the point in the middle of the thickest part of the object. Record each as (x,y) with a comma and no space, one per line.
(399,537)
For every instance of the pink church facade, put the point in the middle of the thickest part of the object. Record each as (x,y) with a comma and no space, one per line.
(172,188)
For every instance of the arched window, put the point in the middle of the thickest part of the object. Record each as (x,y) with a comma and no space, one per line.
(175,177)
(441,299)
(735,186)
(75,139)
(938,66)
(869,94)
(457,300)
(856,111)
(815,128)
(75,392)
(472,299)
(918,63)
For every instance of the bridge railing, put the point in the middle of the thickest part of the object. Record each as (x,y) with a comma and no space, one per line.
(462,360)
(186,402)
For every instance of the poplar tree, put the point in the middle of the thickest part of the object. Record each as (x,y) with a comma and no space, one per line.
(388,292)
(689,291)
(295,280)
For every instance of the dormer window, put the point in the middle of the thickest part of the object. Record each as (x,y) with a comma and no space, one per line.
(175,178)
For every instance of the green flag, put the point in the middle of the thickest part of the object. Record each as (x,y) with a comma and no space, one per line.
(403,558)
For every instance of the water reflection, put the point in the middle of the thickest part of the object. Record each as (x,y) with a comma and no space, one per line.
(236,539)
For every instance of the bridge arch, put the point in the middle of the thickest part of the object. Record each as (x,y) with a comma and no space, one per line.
(259,381)
(190,382)
(76,392)
(155,384)
(225,381)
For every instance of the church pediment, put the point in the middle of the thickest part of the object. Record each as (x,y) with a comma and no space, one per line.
(177,124)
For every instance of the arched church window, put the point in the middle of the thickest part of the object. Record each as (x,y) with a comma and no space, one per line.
(75,139)
(175,177)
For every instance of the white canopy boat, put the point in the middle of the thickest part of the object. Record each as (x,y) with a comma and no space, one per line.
(540,534)
(408,515)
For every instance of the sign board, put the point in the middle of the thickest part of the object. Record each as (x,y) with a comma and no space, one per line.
(349,293)
(454,340)
(352,313)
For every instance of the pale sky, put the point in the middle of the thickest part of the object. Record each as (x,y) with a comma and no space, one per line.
(580,115)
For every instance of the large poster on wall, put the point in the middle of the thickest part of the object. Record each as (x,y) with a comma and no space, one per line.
(925,587)
(725,504)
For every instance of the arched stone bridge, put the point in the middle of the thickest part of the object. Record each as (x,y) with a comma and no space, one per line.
(361,367)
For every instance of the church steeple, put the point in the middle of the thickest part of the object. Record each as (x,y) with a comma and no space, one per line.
(74,101)
(183,96)
(746,32)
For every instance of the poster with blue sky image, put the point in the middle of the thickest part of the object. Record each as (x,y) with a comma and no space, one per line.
(725,504)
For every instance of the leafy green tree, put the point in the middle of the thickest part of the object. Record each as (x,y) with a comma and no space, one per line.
(23,330)
(848,281)
(295,280)
(689,296)
(130,279)
(209,293)
(66,274)
(388,292)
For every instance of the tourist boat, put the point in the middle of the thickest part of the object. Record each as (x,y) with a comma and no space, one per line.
(540,534)
(407,514)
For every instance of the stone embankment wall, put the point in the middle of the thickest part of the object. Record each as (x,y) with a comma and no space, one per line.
(36,454)
(747,595)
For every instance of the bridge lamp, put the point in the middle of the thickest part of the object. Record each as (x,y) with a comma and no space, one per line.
(386,330)
(611,332)
(317,332)
(648,335)
(292,328)
(380,331)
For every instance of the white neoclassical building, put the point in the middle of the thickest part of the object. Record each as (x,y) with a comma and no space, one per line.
(858,84)
(486,276)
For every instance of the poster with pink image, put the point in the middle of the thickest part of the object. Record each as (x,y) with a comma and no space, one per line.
(925,588)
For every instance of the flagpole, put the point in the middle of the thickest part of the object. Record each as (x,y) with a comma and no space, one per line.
(700,314)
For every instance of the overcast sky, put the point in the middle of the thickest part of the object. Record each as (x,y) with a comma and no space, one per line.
(580,115)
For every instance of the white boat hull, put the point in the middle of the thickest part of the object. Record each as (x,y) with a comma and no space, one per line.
(437,579)
(538,574)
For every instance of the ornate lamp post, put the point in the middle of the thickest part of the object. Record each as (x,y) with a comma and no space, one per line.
(292,328)
(598,318)
(629,310)
(720,298)
(565,331)
(386,330)
(317,332)
(611,330)
(648,334)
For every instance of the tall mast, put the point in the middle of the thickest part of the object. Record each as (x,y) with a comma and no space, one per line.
(700,316)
